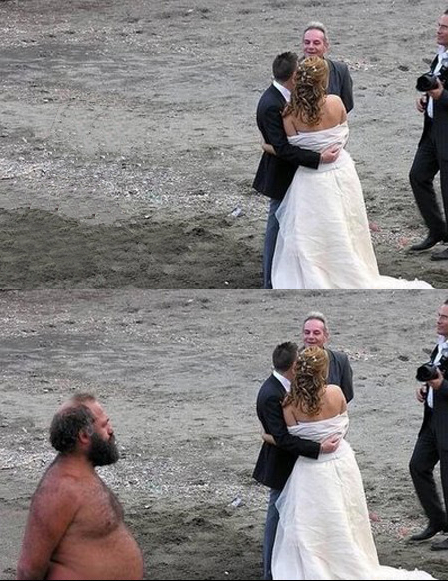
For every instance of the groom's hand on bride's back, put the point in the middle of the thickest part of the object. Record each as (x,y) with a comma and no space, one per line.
(330,444)
(331,153)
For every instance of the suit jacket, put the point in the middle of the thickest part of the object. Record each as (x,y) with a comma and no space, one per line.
(275,463)
(275,172)
(438,416)
(340,83)
(438,126)
(340,372)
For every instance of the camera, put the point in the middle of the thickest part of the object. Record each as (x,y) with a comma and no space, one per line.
(428,371)
(428,81)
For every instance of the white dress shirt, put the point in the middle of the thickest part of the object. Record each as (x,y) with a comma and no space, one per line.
(285,382)
(442,346)
(283,90)
(442,54)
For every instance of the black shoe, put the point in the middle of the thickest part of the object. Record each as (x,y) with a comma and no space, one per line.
(440,255)
(426,534)
(427,243)
(441,546)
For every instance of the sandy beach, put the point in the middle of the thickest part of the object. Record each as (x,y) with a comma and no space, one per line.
(128,146)
(178,372)
(128,142)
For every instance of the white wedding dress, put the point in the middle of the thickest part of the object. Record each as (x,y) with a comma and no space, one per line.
(324,239)
(324,529)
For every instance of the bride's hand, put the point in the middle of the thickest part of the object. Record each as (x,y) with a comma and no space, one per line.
(268,438)
(267,147)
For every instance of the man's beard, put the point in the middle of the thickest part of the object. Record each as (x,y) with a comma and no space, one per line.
(102,452)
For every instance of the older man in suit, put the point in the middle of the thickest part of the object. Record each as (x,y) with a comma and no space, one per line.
(315,333)
(432,151)
(315,42)
(432,442)
(275,172)
(275,463)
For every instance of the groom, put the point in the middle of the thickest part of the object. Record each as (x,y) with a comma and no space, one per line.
(275,172)
(275,463)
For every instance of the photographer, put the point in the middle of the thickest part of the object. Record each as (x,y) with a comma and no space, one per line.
(432,442)
(432,151)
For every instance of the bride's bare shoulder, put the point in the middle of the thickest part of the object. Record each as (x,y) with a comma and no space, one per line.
(335,397)
(333,387)
(334,100)
(334,391)
(335,107)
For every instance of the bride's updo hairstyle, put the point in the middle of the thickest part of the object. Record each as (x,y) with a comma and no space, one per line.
(309,381)
(309,90)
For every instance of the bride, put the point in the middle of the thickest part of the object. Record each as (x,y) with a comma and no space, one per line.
(324,528)
(324,239)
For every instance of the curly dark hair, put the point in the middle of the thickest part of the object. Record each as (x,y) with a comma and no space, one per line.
(309,90)
(309,381)
(69,421)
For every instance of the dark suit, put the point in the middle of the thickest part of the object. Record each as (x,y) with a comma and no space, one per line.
(275,463)
(340,372)
(431,157)
(340,83)
(432,446)
(275,172)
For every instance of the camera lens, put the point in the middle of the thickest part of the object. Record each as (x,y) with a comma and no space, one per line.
(426,82)
(426,372)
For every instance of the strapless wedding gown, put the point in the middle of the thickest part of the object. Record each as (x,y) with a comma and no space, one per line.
(324,239)
(324,529)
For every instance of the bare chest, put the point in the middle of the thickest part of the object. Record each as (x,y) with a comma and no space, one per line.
(100,512)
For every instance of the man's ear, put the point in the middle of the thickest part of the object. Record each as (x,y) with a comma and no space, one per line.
(84,437)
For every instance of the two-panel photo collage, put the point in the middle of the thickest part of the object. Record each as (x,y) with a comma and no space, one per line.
(223,290)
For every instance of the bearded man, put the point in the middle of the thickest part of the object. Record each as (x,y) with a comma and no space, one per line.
(75,527)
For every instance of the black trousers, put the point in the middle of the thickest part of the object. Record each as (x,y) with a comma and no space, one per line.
(427,452)
(427,162)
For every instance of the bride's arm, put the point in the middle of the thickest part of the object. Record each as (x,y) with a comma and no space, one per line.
(343,113)
(289,416)
(289,126)
(268,438)
(275,135)
(290,421)
(275,424)
(267,147)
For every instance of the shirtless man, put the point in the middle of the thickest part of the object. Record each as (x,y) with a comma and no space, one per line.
(75,527)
